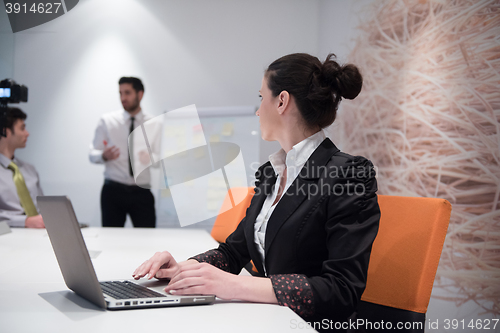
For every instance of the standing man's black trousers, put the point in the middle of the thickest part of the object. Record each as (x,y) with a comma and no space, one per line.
(118,200)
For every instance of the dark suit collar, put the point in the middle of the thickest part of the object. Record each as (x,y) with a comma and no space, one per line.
(290,201)
(298,191)
(320,157)
(265,179)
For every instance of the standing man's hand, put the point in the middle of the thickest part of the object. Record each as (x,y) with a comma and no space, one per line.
(144,157)
(110,153)
(34,222)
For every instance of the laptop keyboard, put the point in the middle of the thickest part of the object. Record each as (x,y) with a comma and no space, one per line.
(127,289)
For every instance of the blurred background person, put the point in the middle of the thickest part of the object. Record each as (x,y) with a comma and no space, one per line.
(19,180)
(120,195)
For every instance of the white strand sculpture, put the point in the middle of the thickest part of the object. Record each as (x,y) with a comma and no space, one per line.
(429,118)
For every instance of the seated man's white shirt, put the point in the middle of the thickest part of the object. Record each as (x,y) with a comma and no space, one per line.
(11,210)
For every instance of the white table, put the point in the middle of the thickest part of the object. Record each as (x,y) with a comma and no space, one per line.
(34,298)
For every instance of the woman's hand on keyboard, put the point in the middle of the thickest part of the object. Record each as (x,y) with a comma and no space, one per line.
(203,279)
(162,266)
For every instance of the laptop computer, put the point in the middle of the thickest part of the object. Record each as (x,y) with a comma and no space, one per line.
(78,271)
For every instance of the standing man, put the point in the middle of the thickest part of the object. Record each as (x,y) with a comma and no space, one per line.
(120,195)
(19,182)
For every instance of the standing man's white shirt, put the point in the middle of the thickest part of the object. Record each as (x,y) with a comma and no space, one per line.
(113,130)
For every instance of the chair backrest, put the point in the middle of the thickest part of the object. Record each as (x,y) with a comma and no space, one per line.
(406,252)
(227,221)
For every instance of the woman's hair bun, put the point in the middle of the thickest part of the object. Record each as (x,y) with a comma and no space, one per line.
(317,87)
(345,81)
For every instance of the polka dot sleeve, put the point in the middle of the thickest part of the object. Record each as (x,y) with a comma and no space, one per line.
(294,291)
(214,258)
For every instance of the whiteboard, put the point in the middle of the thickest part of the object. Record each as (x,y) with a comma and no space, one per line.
(238,125)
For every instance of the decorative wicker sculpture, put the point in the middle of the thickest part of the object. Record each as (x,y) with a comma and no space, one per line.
(429,118)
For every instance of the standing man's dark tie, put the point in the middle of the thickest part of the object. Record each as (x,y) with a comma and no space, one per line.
(131,147)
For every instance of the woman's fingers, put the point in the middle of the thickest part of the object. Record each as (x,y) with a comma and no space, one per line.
(142,270)
(161,260)
(165,267)
(138,268)
(155,267)
(198,269)
(193,279)
(196,290)
(185,272)
(202,279)
(186,283)
(166,273)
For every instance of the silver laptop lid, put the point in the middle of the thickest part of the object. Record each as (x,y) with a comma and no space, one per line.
(69,247)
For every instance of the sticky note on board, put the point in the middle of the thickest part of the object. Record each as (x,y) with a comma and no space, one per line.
(198,139)
(227,129)
(170,131)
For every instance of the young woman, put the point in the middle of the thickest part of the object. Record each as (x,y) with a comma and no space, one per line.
(311,223)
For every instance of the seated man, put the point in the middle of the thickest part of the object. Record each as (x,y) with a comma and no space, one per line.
(18,180)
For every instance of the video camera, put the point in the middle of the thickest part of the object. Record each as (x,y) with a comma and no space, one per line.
(10,92)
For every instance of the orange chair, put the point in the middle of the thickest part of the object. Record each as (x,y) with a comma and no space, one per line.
(404,261)
(228,221)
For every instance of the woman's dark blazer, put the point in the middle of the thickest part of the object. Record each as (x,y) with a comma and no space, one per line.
(319,235)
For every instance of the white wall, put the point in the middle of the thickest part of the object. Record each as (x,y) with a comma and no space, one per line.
(6,46)
(211,53)
(338,20)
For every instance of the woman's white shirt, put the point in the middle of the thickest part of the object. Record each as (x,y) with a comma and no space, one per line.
(294,161)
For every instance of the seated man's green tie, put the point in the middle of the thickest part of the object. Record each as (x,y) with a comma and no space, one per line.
(22,191)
